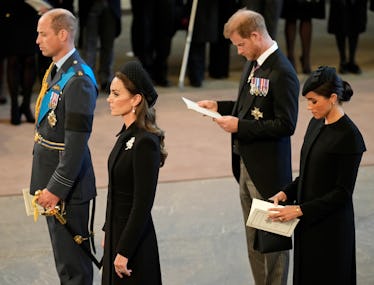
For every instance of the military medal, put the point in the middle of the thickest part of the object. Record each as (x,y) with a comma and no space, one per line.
(257,113)
(53,101)
(52,120)
(259,86)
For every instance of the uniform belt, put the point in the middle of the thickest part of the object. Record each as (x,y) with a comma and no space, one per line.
(48,144)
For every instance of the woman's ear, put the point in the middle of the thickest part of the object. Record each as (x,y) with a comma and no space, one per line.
(334,98)
(137,99)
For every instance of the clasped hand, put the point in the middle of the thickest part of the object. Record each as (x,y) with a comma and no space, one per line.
(285,213)
(47,199)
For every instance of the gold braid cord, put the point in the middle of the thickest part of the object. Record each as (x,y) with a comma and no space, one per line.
(42,92)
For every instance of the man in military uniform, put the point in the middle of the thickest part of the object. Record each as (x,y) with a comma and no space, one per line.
(62,167)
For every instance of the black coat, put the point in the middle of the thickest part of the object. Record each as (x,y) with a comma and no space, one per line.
(346,18)
(324,240)
(18,22)
(265,144)
(133,167)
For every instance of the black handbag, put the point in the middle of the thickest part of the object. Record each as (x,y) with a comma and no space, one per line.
(266,242)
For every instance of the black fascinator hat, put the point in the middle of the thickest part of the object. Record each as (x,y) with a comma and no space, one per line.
(319,77)
(142,81)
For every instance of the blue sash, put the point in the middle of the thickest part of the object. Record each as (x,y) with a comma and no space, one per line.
(51,98)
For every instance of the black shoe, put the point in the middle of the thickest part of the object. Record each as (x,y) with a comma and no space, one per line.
(353,68)
(196,83)
(15,116)
(2,100)
(218,76)
(305,67)
(28,114)
(343,68)
(163,82)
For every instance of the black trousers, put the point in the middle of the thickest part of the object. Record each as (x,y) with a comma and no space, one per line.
(73,266)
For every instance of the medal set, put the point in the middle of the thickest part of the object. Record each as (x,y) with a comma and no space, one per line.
(259,87)
(52,119)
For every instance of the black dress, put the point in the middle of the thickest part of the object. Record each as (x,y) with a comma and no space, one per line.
(324,239)
(347,17)
(303,10)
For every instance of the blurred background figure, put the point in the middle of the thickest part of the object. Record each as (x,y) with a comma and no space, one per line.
(18,22)
(2,93)
(302,11)
(152,30)
(219,50)
(100,24)
(270,10)
(211,15)
(347,20)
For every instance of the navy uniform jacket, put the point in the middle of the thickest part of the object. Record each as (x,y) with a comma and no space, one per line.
(265,144)
(68,173)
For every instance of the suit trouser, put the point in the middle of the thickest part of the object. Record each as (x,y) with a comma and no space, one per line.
(269,268)
(73,266)
(100,25)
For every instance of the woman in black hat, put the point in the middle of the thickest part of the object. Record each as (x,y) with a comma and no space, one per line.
(324,239)
(130,244)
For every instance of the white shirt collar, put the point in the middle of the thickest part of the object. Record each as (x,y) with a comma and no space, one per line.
(267,53)
(64,58)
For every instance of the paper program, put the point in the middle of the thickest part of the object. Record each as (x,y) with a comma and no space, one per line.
(194,106)
(258,218)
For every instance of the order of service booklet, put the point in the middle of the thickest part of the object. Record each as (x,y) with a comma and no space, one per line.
(258,218)
(38,5)
(27,198)
(194,106)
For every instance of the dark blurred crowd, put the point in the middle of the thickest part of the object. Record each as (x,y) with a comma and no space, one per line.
(154,23)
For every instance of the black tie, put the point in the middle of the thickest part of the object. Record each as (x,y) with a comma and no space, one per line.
(53,71)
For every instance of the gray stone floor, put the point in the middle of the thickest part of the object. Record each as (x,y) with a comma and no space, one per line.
(200,234)
(198,222)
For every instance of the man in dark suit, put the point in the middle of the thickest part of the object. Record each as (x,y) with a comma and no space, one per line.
(261,121)
(62,167)
(100,20)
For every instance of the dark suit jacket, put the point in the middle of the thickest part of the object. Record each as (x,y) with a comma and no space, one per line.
(264,144)
(68,174)
(133,167)
(115,6)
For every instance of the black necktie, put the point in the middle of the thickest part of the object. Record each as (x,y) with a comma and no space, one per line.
(53,71)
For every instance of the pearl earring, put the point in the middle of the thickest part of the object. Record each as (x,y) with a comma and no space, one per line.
(133,110)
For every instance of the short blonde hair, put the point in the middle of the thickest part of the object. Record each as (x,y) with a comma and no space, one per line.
(244,22)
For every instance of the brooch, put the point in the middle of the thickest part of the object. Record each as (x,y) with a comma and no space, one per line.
(130,143)
(257,113)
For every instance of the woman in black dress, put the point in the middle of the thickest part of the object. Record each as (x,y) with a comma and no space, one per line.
(347,20)
(302,11)
(130,247)
(18,22)
(324,239)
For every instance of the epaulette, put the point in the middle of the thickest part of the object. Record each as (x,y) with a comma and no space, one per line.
(81,69)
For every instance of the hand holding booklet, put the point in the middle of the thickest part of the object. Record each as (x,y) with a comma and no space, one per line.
(258,218)
(194,106)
